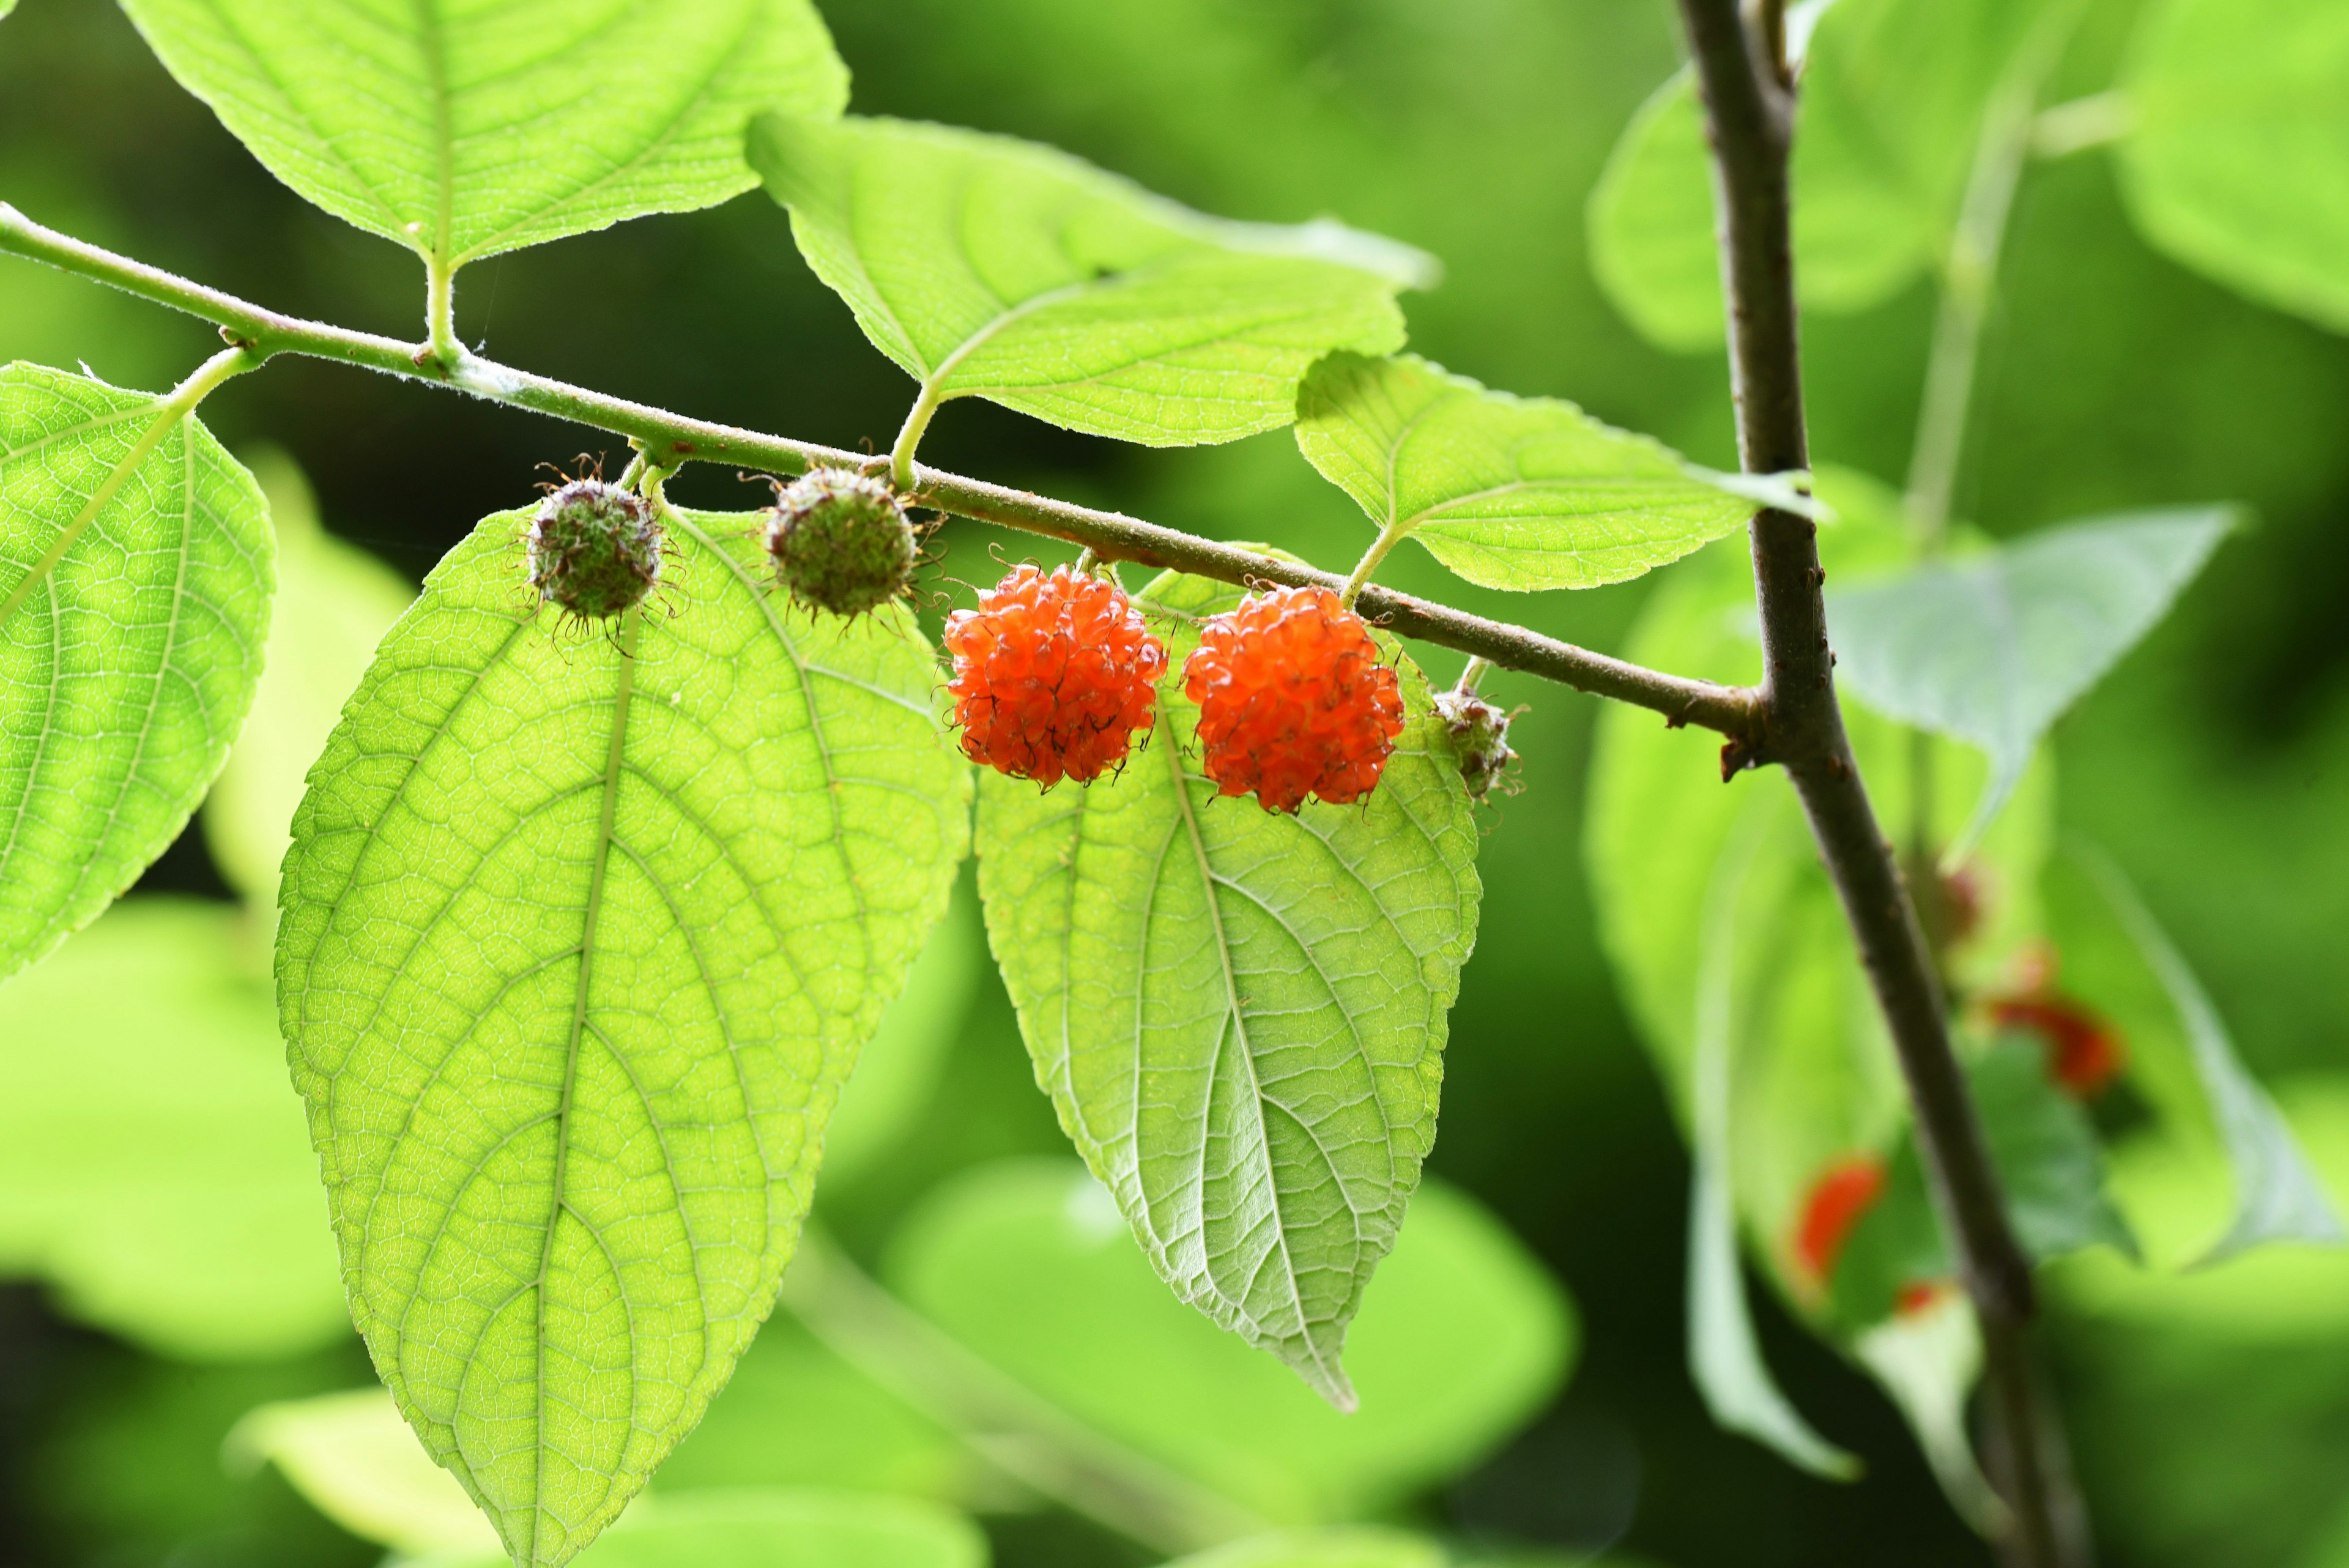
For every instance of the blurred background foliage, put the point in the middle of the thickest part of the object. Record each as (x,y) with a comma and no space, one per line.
(2211,1412)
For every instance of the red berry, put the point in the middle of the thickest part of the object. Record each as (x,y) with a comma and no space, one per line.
(1052,674)
(1293,699)
(2084,1051)
(1840,1195)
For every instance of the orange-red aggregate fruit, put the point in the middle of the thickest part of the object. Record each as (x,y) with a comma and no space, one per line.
(2084,1051)
(1052,674)
(1840,1195)
(1293,699)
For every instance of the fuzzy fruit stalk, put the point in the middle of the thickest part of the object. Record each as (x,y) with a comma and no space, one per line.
(1053,675)
(1293,701)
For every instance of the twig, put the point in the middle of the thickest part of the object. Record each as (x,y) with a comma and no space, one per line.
(1750,119)
(674,438)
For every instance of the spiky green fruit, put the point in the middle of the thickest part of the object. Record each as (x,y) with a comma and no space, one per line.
(841,541)
(1480,738)
(594,549)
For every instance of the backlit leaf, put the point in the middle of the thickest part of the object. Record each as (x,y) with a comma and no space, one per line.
(135,580)
(1990,649)
(1893,97)
(2277,1197)
(334,604)
(1240,1015)
(581,935)
(994,268)
(153,1168)
(460,131)
(358,1463)
(1347,1546)
(2237,158)
(764,1527)
(1462,1337)
(1508,492)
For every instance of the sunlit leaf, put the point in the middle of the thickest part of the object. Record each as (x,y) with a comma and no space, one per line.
(795,1414)
(1508,492)
(581,935)
(334,604)
(1348,1546)
(1240,1015)
(764,1527)
(994,268)
(2277,1197)
(355,1460)
(1990,649)
(135,580)
(465,130)
(152,1163)
(2237,158)
(1927,1359)
(897,1072)
(1462,1338)
(1893,97)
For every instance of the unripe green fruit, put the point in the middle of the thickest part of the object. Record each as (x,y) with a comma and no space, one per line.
(594,549)
(841,541)
(1480,738)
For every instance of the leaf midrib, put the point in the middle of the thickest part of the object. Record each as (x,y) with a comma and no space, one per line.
(623,688)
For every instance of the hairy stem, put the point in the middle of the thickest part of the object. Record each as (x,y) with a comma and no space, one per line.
(1360,577)
(1750,119)
(671,440)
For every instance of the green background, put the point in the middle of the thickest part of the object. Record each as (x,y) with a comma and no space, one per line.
(2215,763)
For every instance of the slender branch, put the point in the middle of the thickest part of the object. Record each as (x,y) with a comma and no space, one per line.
(1750,119)
(672,439)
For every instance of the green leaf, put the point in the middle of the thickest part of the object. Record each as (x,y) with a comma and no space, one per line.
(334,604)
(2277,1197)
(1927,1360)
(152,1163)
(460,131)
(1345,1546)
(1723,1354)
(135,580)
(897,1072)
(1462,1337)
(762,1527)
(994,268)
(1991,649)
(1894,94)
(353,1458)
(797,1415)
(1511,493)
(2237,160)
(1239,1014)
(2049,1163)
(581,935)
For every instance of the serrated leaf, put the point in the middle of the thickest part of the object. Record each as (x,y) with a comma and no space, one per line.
(581,935)
(1462,1337)
(353,1460)
(762,1526)
(2237,158)
(153,1169)
(2277,1197)
(460,131)
(989,267)
(135,581)
(333,605)
(1991,650)
(1893,97)
(1510,492)
(1240,1015)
